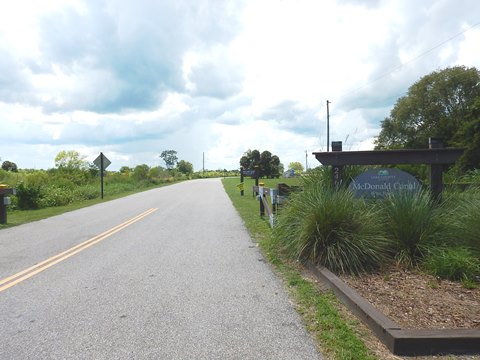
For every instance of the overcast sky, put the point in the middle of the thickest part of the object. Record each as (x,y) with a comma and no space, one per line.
(132,78)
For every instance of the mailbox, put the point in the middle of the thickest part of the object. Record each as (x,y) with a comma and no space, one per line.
(273,196)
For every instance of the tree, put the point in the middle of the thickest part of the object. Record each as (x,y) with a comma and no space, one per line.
(125,170)
(468,137)
(141,172)
(155,172)
(9,166)
(267,164)
(250,159)
(442,104)
(297,166)
(170,158)
(276,167)
(70,160)
(185,167)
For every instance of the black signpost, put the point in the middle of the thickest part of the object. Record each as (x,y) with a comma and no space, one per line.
(102,163)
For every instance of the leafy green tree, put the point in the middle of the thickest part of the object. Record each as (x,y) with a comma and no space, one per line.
(141,172)
(444,104)
(468,137)
(9,166)
(276,167)
(267,164)
(250,159)
(297,166)
(70,160)
(170,158)
(185,167)
(155,172)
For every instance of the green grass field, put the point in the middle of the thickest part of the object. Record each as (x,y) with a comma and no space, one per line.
(337,337)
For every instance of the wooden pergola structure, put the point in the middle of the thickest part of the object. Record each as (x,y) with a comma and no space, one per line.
(436,156)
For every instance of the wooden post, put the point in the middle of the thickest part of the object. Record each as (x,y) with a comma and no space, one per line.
(436,171)
(3,210)
(257,175)
(261,193)
(241,180)
(337,169)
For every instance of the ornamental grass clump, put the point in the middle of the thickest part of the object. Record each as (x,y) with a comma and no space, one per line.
(413,224)
(331,228)
(465,219)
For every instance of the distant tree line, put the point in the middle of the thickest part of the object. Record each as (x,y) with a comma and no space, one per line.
(75,179)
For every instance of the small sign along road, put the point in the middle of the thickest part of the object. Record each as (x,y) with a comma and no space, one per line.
(102,159)
(102,163)
(169,273)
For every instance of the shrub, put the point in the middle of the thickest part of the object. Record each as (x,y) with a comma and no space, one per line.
(86,192)
(331,228)
(412,223)
(116,188)
(456,263)
(56,196)
(465,219)
(29,196)
(8,177)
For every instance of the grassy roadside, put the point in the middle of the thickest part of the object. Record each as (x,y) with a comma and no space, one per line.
(336,337)
(19,217)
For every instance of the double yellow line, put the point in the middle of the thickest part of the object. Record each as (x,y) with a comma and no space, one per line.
(31,271)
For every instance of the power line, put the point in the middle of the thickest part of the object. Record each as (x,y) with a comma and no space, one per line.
(398,67)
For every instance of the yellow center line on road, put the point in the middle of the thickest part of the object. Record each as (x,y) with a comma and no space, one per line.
(33,270)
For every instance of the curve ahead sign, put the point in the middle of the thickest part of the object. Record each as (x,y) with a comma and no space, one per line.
(379,183)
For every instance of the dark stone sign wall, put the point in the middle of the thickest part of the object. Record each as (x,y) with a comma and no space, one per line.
(379,183)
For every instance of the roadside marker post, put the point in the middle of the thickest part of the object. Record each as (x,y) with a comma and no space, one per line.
(102,163)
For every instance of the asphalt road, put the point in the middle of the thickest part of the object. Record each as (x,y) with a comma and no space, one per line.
(183,281)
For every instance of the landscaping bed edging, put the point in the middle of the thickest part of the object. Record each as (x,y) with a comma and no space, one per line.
(400,341)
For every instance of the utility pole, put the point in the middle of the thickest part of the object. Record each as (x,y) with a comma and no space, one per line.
(306,160)
(203,164)
(328,127)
